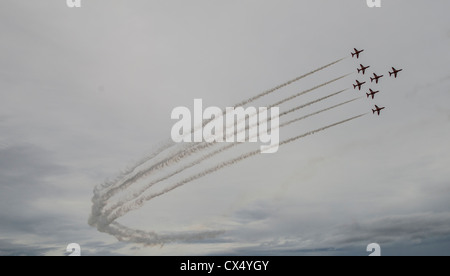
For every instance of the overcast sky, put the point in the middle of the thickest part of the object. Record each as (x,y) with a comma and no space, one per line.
(87,92)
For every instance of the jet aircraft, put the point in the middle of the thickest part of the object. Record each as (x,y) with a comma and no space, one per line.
(372,93)
(394,72)
(358,84)
(363,69)
(375,78)
(357,52)
(377,109)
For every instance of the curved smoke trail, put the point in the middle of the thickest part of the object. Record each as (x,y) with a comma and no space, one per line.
(188,150)
(136,194)
(126,234)
(108,225)
(140,201)
(169,144)
(104,220)
(178,156)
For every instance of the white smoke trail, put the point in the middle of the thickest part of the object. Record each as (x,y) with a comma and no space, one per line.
(270,91)
(104,191)
(136,194)
(318,112)
(313,102)
(124,209)
(125,234)
(297,95)
(245,102)
(170,143)
(276,88)
(192,148)
(110,184)
(309,90)
(177,157)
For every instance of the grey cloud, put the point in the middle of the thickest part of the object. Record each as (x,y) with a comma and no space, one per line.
(409,228)
(257,212)
(23,173)
(26,172)
(9,247)
(25,165)
(421,232)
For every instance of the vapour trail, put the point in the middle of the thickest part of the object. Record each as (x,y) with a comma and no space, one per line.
(286,112)
(177,157)
(300,94)
(141,200)
(100,188)
(318,112)
(313,102)
(265,93)
(189,149)
(170,143)
(136,194)
(126,172)
(309,90)
(301,106)
(285,84)
(126,234)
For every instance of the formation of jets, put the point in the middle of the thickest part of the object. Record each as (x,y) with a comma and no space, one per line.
(375,78)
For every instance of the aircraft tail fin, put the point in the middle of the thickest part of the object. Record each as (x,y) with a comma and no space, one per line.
(390,74)
(359,70)
(354,86)
(367,95)
(371,79)
(353,54)
(373,111)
